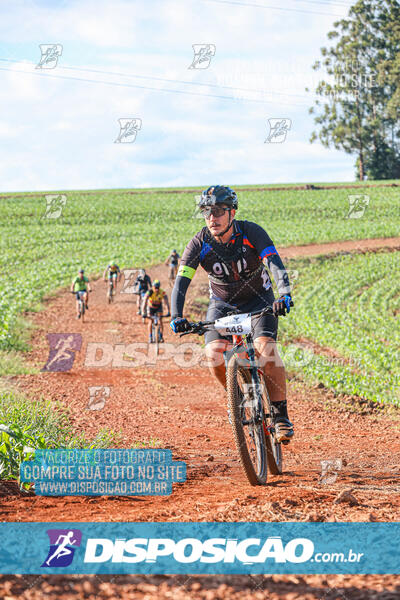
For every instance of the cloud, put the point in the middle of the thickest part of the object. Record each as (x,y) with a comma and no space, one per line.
(58,130)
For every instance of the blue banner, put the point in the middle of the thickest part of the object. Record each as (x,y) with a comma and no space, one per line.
(110,472)
(199,548)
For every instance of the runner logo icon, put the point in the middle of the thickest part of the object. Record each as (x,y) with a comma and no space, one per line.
(63,543)
(62,351)
(50,54)
(278,129)
(203,54)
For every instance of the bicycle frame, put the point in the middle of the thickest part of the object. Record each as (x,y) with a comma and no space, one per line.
(156,320)
(81,303)
(245,343)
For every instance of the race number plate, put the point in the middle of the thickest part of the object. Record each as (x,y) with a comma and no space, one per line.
(234,324)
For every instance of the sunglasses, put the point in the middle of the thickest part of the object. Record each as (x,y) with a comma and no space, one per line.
(215,211)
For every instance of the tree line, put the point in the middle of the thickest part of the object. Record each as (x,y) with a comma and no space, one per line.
(358,101)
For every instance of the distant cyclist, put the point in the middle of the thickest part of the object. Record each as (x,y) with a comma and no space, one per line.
(236,255)
(154,299)
(172,261)
(112,273)
(81,286)
(143,285)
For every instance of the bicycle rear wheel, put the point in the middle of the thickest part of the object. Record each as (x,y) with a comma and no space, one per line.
(157,337)
(274,450)
(249,434)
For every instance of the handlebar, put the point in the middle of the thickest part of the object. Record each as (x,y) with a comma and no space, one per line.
(201,326)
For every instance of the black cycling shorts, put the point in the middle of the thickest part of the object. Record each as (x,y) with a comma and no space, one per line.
(155,310)
(267,325)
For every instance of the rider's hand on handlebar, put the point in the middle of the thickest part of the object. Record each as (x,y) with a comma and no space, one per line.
(282,305)
(179,325)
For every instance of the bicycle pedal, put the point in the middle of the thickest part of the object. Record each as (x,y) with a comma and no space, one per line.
(285,442)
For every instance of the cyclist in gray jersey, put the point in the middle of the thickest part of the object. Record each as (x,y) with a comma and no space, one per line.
(238,256)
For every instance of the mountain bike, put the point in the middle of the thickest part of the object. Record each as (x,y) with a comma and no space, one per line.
(155,330)
(81,304)
(249,405)
(111,290)
(172,271)
(141,302)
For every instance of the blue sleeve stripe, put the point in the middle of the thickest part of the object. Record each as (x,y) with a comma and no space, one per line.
(268,251)
(205,249)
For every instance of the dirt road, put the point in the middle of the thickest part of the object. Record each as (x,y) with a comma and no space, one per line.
(183,409)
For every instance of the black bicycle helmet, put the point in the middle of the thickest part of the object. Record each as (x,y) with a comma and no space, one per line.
(219,194)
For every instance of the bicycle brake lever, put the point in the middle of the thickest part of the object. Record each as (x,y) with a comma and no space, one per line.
(199,330)
(185,333)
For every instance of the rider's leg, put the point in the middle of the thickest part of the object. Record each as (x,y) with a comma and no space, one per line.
(272,365)
(149,328)
(86,298)
(161,324)
(77,308)
(215,359)
(275,379)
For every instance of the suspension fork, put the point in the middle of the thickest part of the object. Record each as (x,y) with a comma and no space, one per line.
(255,378)
(240,345)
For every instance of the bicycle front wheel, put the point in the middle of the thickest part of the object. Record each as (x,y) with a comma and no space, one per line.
(248,431)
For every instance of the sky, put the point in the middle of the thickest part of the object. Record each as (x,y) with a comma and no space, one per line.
(131,60)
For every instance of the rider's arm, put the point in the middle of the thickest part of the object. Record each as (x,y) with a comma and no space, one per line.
(189,262)
(105,274)
(261,241)
(73,285)
(119,274)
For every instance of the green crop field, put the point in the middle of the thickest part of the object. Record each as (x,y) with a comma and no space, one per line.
(349,303)
(40,254)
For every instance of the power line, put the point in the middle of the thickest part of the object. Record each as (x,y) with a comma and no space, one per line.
(336,3)
(175,81)
(132,75)
(213,85)
(131,85)
(309,12)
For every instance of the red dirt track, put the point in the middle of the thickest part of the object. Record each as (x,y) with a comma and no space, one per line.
(185,410)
